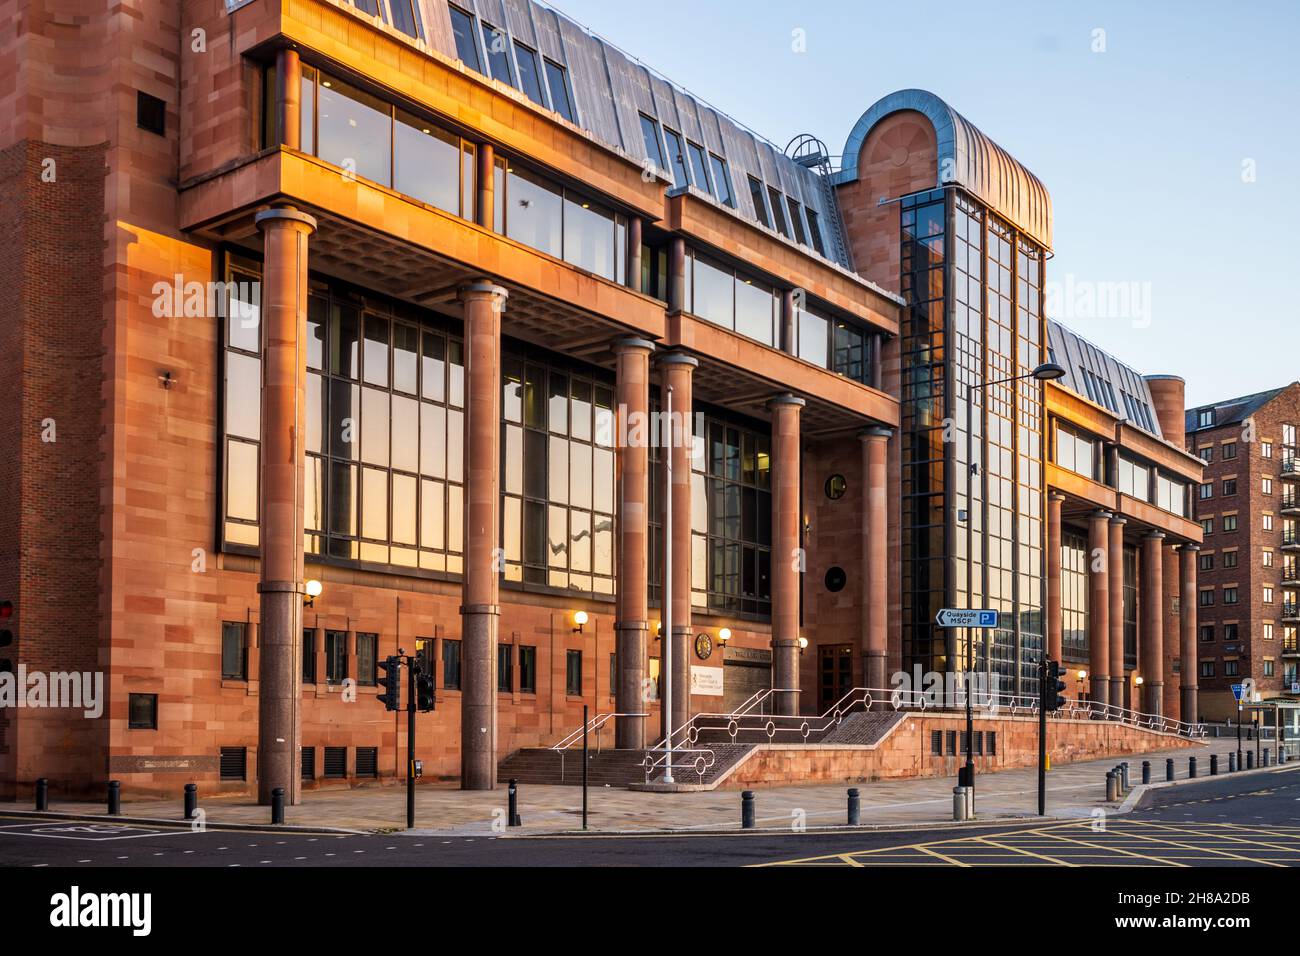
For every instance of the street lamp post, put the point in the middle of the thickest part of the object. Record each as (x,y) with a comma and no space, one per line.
(1046,372)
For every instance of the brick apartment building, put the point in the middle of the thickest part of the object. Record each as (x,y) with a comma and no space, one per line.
(367,293)
(1249,510)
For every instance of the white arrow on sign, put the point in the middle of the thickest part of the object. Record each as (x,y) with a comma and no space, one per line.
(962,617)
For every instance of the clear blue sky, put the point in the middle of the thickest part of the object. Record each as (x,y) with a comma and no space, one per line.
(1141,146)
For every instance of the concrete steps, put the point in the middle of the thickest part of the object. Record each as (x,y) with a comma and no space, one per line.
(541,765)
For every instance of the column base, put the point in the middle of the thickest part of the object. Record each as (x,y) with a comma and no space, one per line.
(1189,705)
(1117,692)
(478,727)
(629,697)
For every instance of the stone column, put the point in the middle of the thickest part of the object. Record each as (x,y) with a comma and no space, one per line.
(1151,638)
(788,337)
(677,370)
(1116,566)
(630,586)
(634,242)
(1099,607)
(485,194)
(288,92)
(677,292)
(483,302)
(1054,500)
(1187,604)
(786,558)
(875,555)
(284,390)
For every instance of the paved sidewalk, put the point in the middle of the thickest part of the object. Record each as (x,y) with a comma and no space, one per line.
(1073,790)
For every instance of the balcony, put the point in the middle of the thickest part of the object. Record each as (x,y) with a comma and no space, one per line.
(1290,468)
(1291,501)
(1291,612)
(1290,542)
(1291,573)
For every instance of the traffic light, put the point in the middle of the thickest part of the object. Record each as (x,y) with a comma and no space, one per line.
(424,696)
(6,635)
(391,682)
(1053,694)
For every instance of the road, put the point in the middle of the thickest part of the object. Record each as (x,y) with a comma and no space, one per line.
(1228,821)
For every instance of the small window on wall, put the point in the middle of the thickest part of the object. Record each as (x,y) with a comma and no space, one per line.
(234,651)
(699,167)
(498,54)
(650,135)
(367,658)
(573,674)
(505,668)
(462,30)
(406,17)
(142,712)
(527,669)
(722,181)
(150,113)
(451,664)
(530,75)
(760,204)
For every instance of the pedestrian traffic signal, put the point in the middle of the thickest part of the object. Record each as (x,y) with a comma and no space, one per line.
(391,682)
(1053,691)
(424,696)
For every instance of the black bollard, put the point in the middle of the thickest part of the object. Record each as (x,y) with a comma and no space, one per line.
(1232,763)
(855,807)
(513,793)
(1123,770)
(42,794)
(1146,771)
(114,798)
(1250,760)
(277,805)
(1191,768)
(1169,768)
(1214,765)
(191,800)
(747,809)
(1264,762)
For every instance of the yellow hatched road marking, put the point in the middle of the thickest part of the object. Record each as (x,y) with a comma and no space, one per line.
(1203,849)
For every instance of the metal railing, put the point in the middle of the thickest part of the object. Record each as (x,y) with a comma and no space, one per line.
(774,728)
(592,726)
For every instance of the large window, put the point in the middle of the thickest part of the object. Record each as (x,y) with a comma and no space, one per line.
(384,439)
(676,157)
(557,82)
(1074,596)
(557,476)
(563,224)
(498,54)
(373,140)
(1134,479)
(733,300)
(737,506)
(530,73)
(1076,452)
(462,30)
(650,136)
(1171,495)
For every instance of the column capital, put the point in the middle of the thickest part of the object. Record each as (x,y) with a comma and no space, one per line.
(1101,514)
(785,399)
(481,287)
(284,214)
(1118,520)
(1154,536)
(1055,496)
(677,358)
(630,343)
(876,433)
(1189,546)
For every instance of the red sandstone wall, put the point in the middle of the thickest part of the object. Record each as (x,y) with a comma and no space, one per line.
(906,751)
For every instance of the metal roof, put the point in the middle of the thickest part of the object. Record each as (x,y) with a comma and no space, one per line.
(966,157)
(610,88)
(1101,378)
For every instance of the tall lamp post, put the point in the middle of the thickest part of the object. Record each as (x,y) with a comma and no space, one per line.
(1047,372)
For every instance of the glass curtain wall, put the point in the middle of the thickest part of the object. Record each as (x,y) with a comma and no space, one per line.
(972,505)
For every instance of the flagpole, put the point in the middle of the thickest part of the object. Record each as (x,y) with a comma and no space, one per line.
(666,593)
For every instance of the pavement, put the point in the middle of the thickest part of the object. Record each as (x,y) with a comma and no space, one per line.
(1074,791)
(1245,820)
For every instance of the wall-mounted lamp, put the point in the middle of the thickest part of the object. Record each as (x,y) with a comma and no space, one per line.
(580,619)
(1137,679)
(803,644)
(724,635)
(313,592)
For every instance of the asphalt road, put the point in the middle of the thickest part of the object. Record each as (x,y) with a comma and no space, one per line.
(1227,821)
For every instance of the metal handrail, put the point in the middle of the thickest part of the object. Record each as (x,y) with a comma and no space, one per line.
(594,724)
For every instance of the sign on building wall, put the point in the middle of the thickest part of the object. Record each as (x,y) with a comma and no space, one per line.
(706,681)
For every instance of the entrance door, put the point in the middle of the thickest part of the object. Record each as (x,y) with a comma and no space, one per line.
(835,674)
